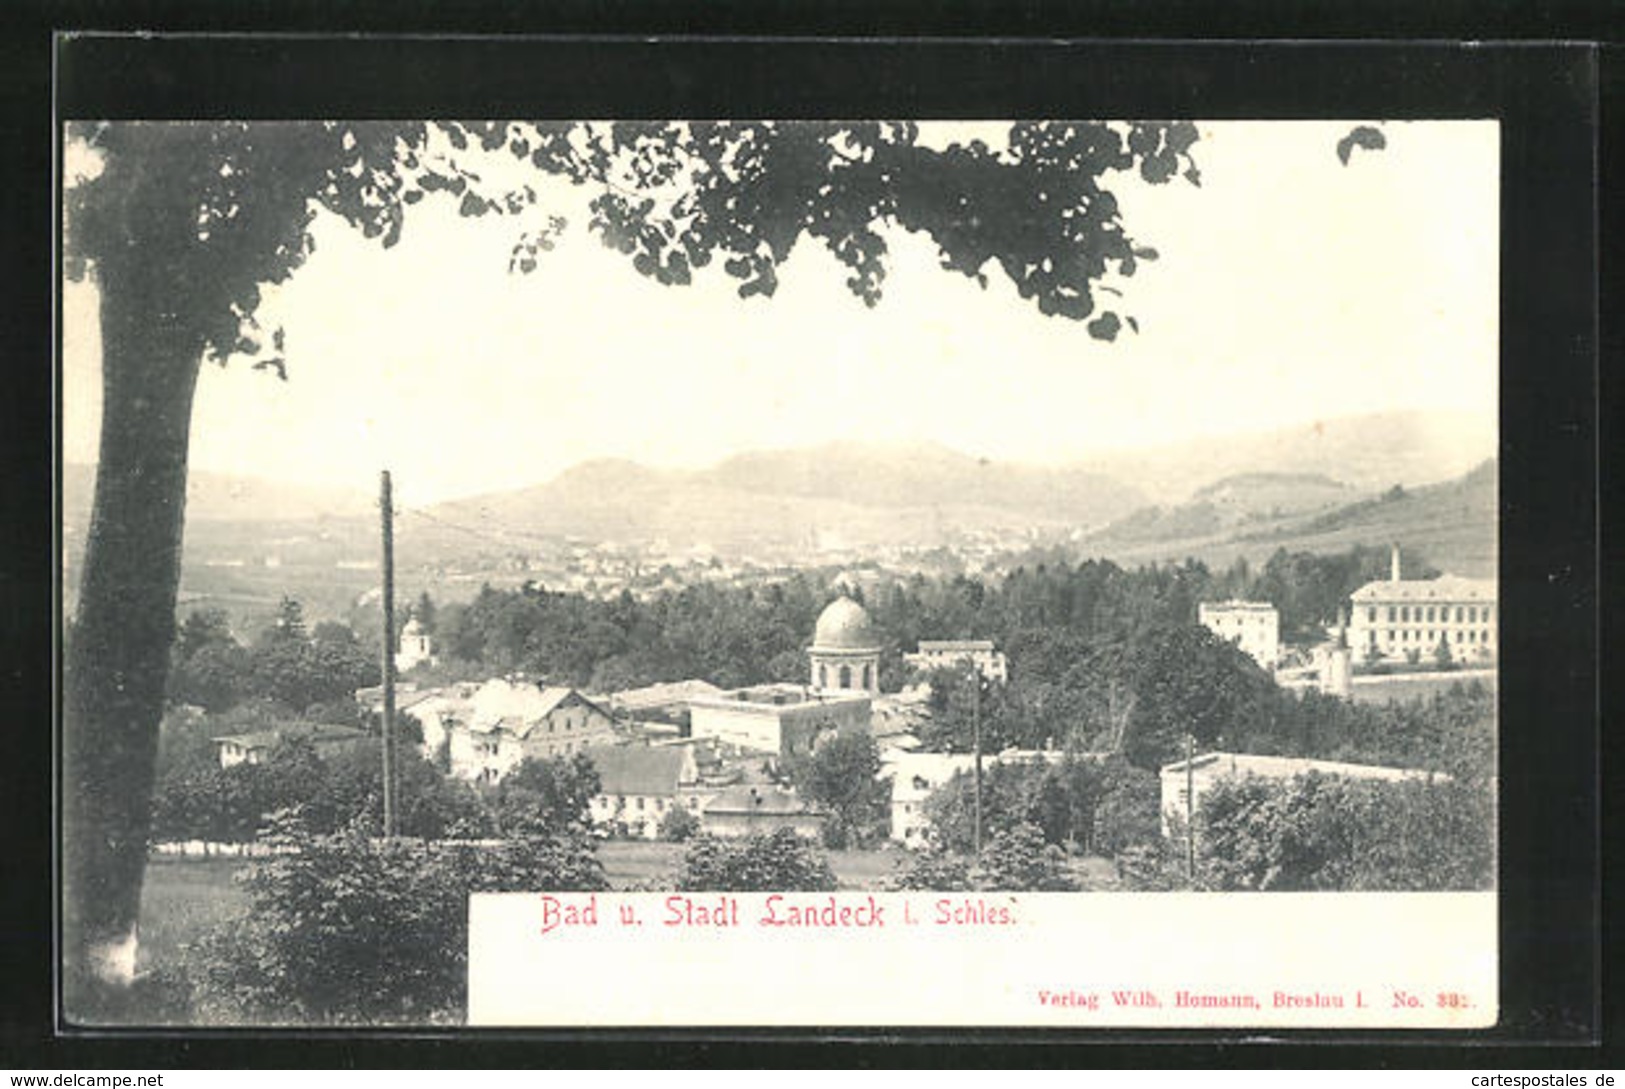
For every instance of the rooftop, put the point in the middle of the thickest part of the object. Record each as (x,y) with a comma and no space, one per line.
(316,734)
(1443,588)
(844,625)
(662,695)
(639,769)
(517,706)
(782,694)
(1284,767)
(755,799)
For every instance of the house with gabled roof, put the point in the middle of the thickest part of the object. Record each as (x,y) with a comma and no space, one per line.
(508,721)
(253,748)
(639,785)
(758,809)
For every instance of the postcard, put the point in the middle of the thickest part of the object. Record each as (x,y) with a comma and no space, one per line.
(881,572)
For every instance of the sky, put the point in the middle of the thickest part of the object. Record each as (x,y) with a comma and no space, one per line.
(1290,288)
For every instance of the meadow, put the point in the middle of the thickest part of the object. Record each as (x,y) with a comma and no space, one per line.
(184,898)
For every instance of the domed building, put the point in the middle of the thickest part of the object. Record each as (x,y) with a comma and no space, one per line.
(845,653)
(416,647)
(790,720)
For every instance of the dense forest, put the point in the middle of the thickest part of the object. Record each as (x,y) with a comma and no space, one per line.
(739,635)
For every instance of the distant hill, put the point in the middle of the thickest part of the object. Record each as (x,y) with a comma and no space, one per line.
(1454,524)
(845,494)
(1246,499)
(1251,495)
(1369,453)
(929,475)
(1320,488)
(221,497)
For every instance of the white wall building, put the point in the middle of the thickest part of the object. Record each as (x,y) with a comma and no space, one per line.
(1254,626)
(639,786)
(779,719)
(1408,619)
(510,721)
(845,652)
(416,647)
(958,653)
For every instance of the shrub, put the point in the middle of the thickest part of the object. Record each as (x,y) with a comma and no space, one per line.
(355,930)
(779,861)
(1316,832)
(1151,868)
(1129,811)
(935,871)
(1019,860)
(679,825)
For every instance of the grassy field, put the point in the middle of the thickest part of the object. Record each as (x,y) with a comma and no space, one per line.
(183,899)
(634,862)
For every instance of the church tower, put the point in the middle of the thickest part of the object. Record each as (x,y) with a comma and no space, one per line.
(845,654)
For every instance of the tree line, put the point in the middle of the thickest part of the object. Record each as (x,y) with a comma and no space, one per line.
(736,635)
(285,663)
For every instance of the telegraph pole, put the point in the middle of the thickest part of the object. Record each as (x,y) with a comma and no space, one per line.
(1190,808)
(976,746)
(386,513)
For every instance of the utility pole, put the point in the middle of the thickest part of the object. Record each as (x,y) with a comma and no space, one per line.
(976,746)
(386,511)
(1190,808)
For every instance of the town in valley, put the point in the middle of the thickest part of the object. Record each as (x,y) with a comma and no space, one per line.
(566,561)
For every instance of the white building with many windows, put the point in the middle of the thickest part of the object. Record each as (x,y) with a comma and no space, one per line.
(1409,619)
(509,721)
(957,653)
(639,786)
(1254,626)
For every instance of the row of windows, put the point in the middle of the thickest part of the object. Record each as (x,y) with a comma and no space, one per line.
(640,803)
(845,676)
(1431,637)
(569,724)
(1465,614)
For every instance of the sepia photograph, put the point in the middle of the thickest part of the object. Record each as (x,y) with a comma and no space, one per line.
(674,557)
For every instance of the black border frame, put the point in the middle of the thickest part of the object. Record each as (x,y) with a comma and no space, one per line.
(1547,96)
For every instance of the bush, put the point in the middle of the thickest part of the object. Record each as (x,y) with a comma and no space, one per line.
(354,930)
(679,825)
(779,861)
(1151,868)
(1020,861)
(1129,812)
(935,871)
(1315,832)
(839,776)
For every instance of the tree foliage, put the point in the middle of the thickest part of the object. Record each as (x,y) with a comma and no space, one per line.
(1321,833)
(679,825)
(196,799)
(1093,805)
(778,861)
(1019,860)
(542,796)
(348,929)
(935,871)
(840,776)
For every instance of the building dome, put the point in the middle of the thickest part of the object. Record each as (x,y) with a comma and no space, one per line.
(844,625)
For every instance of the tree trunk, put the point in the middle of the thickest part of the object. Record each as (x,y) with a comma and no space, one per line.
(118,658)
